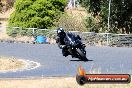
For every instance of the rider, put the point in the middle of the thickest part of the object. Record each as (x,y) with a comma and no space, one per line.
(61,43)
(60,40)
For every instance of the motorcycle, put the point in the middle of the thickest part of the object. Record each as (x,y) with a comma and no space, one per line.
(75,47)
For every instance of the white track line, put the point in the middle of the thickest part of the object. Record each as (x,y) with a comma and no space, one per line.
(29,65)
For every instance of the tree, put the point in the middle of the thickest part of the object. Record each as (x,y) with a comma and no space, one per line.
(36,13)
(93,6)
(1,5)
(120,17)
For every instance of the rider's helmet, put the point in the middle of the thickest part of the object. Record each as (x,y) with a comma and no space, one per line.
(60,31)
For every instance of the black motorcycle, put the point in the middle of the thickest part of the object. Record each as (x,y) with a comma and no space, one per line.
(75,47)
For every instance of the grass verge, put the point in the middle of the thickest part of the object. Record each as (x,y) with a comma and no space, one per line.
(54,82)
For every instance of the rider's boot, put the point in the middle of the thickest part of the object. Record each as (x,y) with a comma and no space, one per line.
(64,52)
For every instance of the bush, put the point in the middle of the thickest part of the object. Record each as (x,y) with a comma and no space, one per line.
(36,13)
(1,5)
(71,23)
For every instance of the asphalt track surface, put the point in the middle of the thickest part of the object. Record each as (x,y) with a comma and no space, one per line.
(103,59)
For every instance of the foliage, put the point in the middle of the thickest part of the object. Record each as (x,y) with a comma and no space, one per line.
(71,23)
(36,13)
(10,2)
(1,5)
(6,4)
(120,17)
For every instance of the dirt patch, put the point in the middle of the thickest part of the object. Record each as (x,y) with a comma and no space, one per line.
(10,64)
(55,82)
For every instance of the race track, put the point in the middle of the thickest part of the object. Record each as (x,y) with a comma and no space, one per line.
(105,60)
